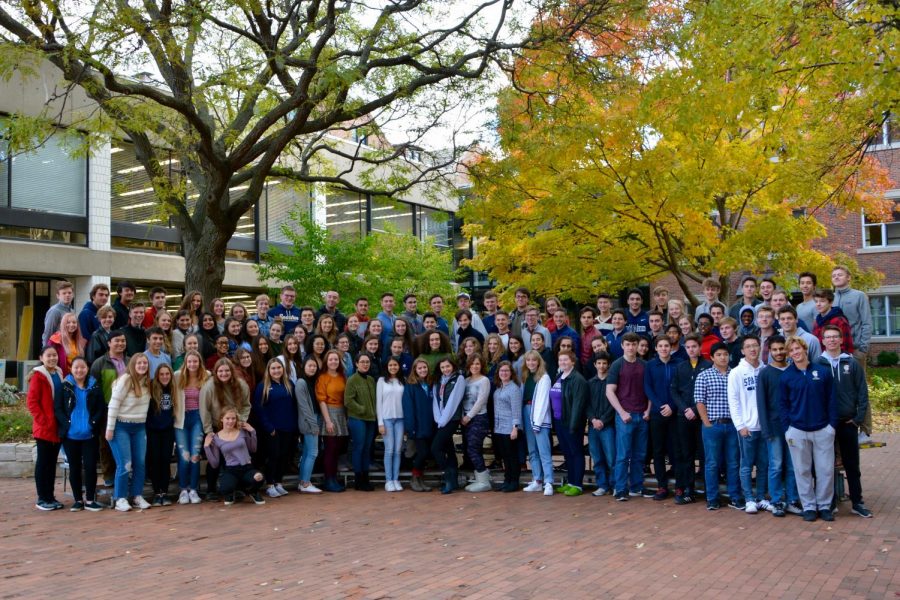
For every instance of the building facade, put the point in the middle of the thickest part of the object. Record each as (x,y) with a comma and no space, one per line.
(93,219)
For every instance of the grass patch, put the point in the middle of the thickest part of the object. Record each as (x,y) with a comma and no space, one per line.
(886,373)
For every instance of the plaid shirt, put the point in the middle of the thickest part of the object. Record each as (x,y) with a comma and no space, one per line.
(711,389)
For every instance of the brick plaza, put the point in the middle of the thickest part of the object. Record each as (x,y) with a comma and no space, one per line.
(379,545)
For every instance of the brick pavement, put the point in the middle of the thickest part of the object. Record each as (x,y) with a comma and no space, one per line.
(379,545)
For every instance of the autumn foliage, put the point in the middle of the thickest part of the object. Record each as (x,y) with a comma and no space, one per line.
(691,138)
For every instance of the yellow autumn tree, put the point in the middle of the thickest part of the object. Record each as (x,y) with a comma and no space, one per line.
(691,138)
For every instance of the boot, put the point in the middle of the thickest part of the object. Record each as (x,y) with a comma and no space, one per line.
(357,481)
(332,485)
(482,482)
(453,478)
(366,486)
(416,484)
(447,488)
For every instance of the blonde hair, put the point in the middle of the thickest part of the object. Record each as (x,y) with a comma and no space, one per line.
(537,373)
(139,383)
(267,379)
(498,355)
(184,374)
(64,338)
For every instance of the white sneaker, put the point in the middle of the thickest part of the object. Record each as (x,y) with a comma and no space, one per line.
(398,487)
(271,492)
(184,498)
(765,505)
(389,486)
(280,489)
(599,492)
(310,489)
(534,486)
(194,497)
(141,503)
(548,489)
(122,505)
(751,508)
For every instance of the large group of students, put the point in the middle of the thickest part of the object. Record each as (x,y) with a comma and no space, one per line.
(758,387)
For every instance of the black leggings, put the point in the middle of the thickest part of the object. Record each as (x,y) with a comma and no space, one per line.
(159,458)
(45,468)
(82,456)
(280,450)
(442,447)
(508,450)
(241,477)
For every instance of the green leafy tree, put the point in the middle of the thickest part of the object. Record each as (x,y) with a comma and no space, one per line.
(357,265)
(686,138)
(243,90)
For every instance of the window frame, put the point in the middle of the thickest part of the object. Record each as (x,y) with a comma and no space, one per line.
(23,217)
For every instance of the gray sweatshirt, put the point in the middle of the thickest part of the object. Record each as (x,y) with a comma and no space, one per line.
(855,305)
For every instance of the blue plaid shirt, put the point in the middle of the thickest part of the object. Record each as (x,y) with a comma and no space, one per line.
(711,390)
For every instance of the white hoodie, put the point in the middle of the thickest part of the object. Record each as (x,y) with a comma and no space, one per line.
(742,396)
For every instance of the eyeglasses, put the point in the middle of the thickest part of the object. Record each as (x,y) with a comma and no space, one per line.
(831,337)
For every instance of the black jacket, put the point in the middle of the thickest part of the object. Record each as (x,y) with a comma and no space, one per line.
(575,401)
(599,407)
(97,346)
(64,405)
(683,383)
(850,388)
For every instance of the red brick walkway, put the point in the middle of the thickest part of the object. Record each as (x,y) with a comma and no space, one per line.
(380,545)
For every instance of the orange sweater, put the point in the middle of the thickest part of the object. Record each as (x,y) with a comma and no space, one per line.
(330,389)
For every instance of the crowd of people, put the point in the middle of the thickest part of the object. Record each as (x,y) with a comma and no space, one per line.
(758,387)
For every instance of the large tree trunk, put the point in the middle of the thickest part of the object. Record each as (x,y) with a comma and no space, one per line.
(204,258)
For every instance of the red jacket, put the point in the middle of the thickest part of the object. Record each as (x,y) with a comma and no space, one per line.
(835,317)
(40,405)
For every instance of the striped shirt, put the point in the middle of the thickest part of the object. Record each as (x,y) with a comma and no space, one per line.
(711,390)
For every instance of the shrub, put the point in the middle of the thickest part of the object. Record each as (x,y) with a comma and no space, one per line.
(9,395)
(884,394)
(887,359)
(15,423)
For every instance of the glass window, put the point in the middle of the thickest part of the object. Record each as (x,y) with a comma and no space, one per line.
(885,315)
(345,212)
(133,200)
(882,234)
(47,179)
(436,225)
(395,217)
(280,199)
(41,234)
(127,243)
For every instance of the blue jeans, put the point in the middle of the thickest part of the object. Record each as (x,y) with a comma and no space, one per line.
(309,450)
(540,450)
(572,445)
(189,441)
(393,440)
(362,434)
(716,439)
(602,445)
(782,482)
(129,448)
(753,452)
(631,448)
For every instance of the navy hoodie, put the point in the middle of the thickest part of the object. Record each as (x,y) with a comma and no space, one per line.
(807,398)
